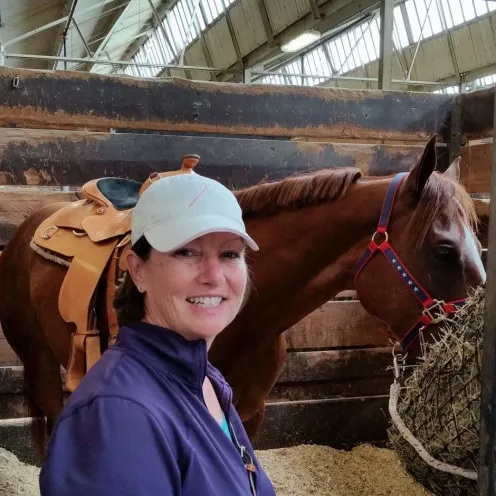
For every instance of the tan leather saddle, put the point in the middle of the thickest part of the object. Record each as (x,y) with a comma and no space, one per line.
(91,235)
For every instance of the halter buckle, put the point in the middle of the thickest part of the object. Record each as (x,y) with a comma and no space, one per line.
(385,240)
(436,311)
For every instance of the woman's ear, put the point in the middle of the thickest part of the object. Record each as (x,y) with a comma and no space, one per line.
(136,269)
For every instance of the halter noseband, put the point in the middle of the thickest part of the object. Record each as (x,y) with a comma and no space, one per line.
(434,311)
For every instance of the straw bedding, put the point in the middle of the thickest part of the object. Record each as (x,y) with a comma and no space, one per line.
(297,471)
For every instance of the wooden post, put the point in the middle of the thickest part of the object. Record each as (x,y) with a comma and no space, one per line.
(386,55)
(487,443)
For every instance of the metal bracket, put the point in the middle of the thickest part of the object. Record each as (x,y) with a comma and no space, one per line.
(15,82)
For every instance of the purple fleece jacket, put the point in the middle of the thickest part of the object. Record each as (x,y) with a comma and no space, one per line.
(137,425)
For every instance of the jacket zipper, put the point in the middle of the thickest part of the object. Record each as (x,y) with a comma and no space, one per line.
(245,456)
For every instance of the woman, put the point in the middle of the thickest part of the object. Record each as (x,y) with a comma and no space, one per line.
(152,417)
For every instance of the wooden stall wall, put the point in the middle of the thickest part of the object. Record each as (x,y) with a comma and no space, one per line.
(63,129)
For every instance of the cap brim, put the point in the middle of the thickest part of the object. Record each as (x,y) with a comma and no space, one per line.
(174,234)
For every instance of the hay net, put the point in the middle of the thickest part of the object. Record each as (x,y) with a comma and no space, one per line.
(439,405)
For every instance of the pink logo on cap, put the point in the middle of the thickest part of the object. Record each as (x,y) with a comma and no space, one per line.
(199,194)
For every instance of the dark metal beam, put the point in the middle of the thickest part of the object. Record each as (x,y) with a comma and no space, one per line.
(386,45)
(315,8)
(266,21)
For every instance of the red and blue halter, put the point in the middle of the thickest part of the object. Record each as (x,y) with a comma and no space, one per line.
(433,311)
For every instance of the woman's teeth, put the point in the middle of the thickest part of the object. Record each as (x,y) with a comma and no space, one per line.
(206,301)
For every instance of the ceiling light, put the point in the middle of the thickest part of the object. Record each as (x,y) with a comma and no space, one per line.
(304,39)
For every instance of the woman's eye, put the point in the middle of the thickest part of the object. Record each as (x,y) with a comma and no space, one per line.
(230,254)
(183,252)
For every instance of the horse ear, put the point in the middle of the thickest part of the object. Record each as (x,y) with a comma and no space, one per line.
(453,171)
(419,175)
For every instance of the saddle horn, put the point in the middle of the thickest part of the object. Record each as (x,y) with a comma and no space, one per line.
(188,163)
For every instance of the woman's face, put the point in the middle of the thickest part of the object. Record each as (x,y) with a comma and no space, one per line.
(196,290)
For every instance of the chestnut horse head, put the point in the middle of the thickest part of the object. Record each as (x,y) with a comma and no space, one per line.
(424,257)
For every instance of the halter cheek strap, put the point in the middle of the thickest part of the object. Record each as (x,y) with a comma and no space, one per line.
(433,311)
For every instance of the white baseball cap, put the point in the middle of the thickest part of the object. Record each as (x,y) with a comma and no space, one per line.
(174,210)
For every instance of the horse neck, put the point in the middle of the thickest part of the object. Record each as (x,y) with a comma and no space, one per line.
(307,256)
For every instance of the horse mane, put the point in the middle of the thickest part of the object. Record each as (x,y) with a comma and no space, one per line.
(437,201)
(312,188)
(296,192)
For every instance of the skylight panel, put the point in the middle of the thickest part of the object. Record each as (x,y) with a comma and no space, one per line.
(399,28)
(361,47)
(435,18)
(208,14)
(217,5)
(354,43)
(456,12)
(321,62)
(294,68)
(348,54)
(481,7)
(343,65)
(333,54)
(468,10)
(183,21)
(176,22)
(369,43)
(446,13)
(413,19)
(376,37)
(423,17)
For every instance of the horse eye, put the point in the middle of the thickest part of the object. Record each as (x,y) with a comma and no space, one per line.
(445,253)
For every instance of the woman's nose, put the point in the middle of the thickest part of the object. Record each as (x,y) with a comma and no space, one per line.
(211,271)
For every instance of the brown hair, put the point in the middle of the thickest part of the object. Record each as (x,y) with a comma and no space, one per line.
(129,302)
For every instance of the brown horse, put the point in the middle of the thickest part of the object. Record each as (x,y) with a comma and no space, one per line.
(312,229)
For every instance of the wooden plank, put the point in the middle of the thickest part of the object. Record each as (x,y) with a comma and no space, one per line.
(327,365)
(477,114)
(475,168)
(77,100)
(17,205)
(337,324)
(70,158)
(341,423)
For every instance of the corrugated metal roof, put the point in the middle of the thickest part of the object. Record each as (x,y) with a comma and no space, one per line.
(220,45)
(247,25)
(282,13)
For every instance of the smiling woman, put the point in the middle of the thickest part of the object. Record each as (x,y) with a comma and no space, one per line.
(153,416)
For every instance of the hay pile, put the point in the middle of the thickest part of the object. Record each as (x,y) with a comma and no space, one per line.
(311,470)
(441,401)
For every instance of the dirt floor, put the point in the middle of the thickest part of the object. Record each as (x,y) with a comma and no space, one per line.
(302,470)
